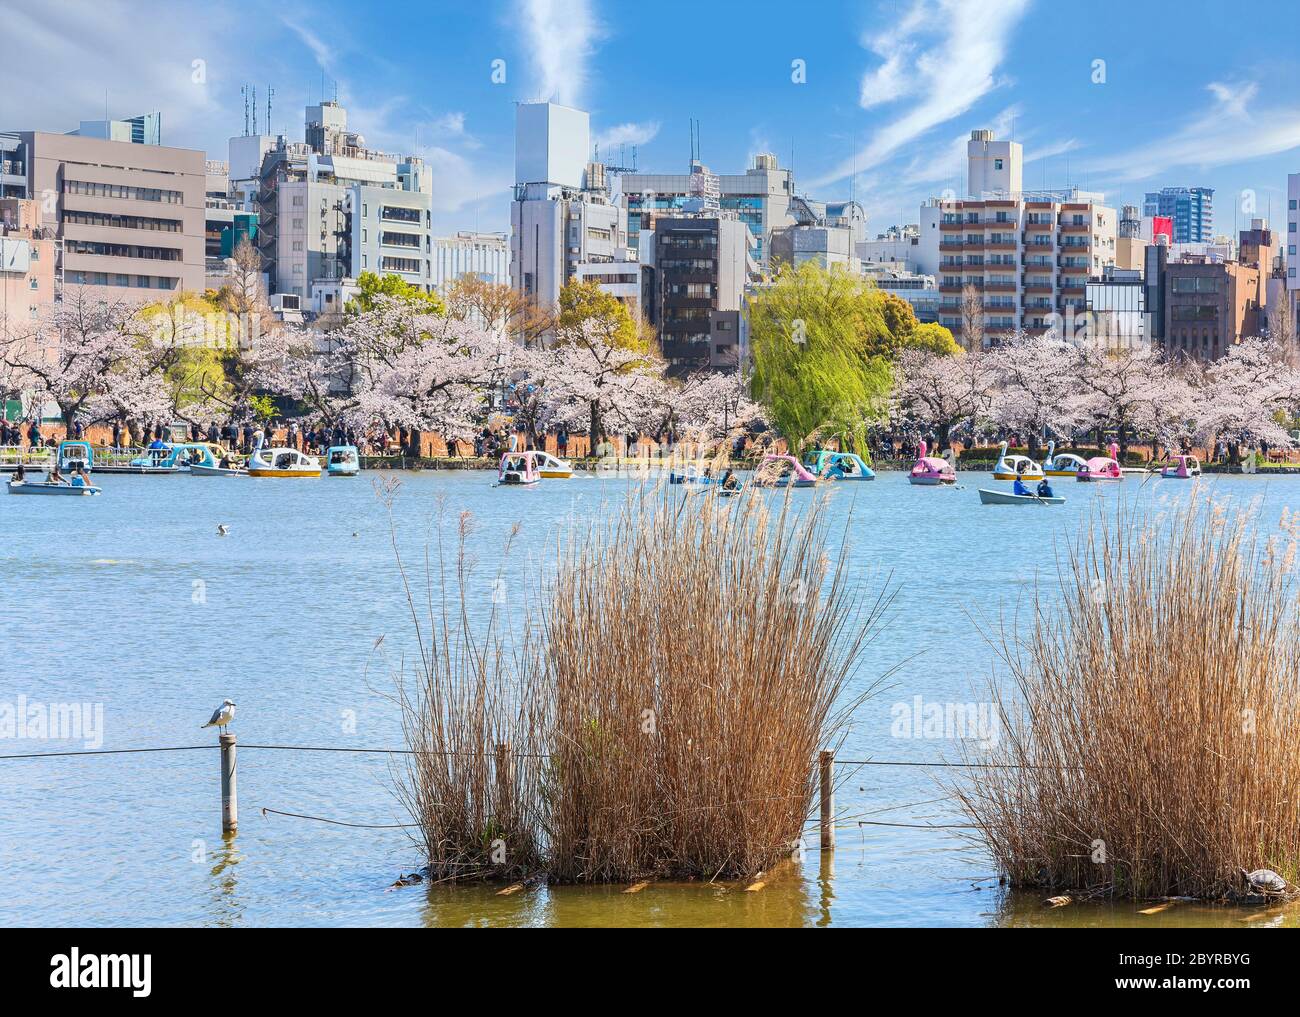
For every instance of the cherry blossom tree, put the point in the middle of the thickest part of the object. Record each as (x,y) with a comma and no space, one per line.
(610,380)
(1034,387)
(1121,388)
(942,391)
(90,356)
(1244,392)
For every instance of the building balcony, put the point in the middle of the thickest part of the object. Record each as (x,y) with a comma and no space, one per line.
(950,227)
(954,246)
(1076,227)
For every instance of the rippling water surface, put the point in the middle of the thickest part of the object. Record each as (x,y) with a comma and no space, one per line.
(131,600)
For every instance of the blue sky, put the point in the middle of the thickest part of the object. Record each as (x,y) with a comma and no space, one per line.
(1194,92)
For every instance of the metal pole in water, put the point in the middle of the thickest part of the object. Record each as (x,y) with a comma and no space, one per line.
(827,767)
(229,796)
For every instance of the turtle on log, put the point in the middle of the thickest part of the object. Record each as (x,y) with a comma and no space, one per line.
(1265,882)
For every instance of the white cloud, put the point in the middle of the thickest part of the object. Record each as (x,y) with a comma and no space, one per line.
(627,134)
(322,52)
(1230,131)
(62,57)
(946,53)
(458,183)
(560,36)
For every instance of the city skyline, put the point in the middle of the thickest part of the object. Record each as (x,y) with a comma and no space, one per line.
(881,105)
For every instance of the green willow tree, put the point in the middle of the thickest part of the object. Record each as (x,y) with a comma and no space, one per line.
(823,342)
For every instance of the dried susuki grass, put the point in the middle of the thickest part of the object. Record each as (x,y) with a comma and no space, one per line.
(1153,736)
(691,656)
(473,692)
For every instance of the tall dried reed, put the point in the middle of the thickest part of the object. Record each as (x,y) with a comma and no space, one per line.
(1153,732)
(698,655)
(689,657)
(473,690)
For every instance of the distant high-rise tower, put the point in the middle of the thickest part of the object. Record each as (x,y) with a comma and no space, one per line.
(1191,209)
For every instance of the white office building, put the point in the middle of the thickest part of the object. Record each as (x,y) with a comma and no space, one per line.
(331,209)
(562,216)
(485,255)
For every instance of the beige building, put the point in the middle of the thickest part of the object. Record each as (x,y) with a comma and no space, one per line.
(27,258)
(129,218)
(1027,255)
(1210,305)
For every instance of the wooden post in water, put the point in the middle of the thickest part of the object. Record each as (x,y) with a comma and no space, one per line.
(827,767)
(505,784)
(229,796)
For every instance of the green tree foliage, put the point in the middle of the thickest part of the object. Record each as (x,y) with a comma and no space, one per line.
(582,300)
(902,331)
(819,339)
(373,285)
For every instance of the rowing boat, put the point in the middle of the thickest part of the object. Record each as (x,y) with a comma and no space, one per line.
(988,497)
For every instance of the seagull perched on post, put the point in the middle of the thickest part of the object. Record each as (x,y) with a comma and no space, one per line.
(222,715)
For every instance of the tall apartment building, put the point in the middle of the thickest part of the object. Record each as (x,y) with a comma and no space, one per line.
(1191,208)
(128,218)
(562,217)
(698,271)
(1288,243)
(27,263)
(1028,254)
(329,208)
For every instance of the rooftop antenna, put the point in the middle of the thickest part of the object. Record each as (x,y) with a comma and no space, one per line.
(255,110)
(270,92)
(243,90)
(853,177)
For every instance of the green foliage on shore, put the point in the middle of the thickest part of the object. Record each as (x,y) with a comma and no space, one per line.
(823,342)
(373,285)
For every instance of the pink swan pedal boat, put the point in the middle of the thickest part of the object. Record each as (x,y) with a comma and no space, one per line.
(931,471)
(1102,467)
(783,471)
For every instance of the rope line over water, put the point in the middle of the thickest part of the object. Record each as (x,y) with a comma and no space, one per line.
(414,752)
(339,822)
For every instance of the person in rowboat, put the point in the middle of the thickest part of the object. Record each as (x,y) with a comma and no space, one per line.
(1019,487)
(1044,489)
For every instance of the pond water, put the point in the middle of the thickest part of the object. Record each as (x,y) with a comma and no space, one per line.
(133,603)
